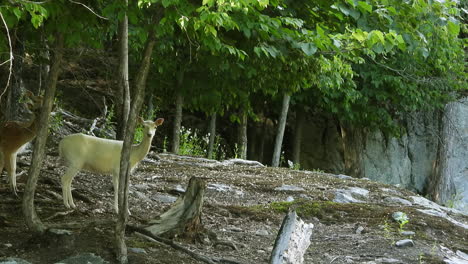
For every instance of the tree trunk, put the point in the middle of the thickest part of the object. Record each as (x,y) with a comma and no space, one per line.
(178,115)
(441,186)
(242,136)
(44,68)
(212,130)
(150,105)
(32,220)
(353,146)
(124,176)
(252,135)
(122,98)
(184,217)
(16,84)
(292,241)
(300,120)
(261,145)
(280,133)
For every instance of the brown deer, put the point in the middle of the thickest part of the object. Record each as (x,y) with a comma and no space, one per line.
(14,135)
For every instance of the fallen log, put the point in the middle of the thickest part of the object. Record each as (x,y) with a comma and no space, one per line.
(292,241)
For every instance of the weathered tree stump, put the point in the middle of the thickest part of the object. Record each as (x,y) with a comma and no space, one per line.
(184,217)
(292,241)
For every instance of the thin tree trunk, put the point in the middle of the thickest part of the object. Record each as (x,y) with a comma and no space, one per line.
(150,105)
(441,186)
(44,68)
(17,84)
(124,176)
(261,145)
(122,99)
(212,135)
(300,119)
(32,220)
(242,136)
(353,146)
(178,115)
(252,135)
(280,133)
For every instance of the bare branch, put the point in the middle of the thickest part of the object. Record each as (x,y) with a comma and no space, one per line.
(5,62)
(78,3)
(11,57)
(32,2)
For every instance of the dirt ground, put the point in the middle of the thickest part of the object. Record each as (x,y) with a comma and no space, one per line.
(241,208)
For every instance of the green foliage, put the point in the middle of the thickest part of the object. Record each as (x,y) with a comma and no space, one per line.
(191,143)
(388,232)
(108,123)
(365,62)
(294,166)
(402,221)
(138,136)
(56,122)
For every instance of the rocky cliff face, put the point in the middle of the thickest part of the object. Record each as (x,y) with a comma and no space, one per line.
(430,158)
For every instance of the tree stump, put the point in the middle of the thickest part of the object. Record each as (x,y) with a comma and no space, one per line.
(184,217)
(292,241)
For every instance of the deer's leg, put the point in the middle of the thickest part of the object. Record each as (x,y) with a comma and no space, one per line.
(10,161)
(67,179)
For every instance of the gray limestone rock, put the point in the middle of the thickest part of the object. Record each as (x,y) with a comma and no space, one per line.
(345,197)
(408,233)
(164,198)
(137,250)
(290,188)
(343,177)
(13,261)
(404,243)
(85,258)
(392,200)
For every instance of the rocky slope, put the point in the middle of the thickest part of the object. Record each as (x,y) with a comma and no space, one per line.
(244,206)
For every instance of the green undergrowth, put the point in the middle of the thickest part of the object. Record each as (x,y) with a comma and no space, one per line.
(326,211)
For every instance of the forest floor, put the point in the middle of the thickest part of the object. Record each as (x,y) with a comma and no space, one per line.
(243,208)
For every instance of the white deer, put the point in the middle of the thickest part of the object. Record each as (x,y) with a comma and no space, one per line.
(99,155)
(16,134)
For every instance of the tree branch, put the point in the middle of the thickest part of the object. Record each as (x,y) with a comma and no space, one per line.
(171,243)
(78,3)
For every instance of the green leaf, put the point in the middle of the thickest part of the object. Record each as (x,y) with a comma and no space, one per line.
(211,29)
(308,48)
(263,3)
(453,28)
(392,10)
(36,21)
(337,43)
(320,31)
(17,12)
(167,3)
(209,3)
(247,32)
(360,35)
(363,6)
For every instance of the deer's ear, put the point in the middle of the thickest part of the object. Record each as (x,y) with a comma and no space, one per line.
(140,120)
(159,121)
